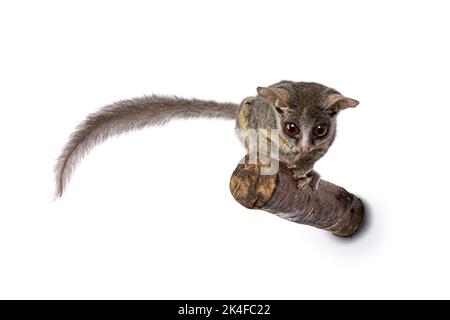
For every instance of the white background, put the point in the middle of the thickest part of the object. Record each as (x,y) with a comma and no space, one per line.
(149,214)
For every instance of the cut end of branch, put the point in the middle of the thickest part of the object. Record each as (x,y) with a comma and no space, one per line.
(250,188)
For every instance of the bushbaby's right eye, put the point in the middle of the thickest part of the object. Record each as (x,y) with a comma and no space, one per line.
(291,129)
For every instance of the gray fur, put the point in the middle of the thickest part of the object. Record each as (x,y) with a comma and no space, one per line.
(306,104)
(130,115)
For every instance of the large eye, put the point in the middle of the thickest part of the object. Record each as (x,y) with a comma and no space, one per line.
(291,129)
(321,130)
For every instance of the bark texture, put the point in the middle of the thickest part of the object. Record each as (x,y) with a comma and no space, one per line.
(330,207)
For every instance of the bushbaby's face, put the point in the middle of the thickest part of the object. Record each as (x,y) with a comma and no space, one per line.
(307,115)
(309,129)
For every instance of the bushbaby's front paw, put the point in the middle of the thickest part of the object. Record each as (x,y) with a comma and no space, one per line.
(315,179)
(302,181)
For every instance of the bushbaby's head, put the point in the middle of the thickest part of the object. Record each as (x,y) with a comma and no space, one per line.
(307,114)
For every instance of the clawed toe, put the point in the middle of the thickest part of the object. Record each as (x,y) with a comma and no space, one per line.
(302,181)
(299,176)
(314,180)
(301,184)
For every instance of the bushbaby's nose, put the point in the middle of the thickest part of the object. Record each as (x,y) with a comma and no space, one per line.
(304,150)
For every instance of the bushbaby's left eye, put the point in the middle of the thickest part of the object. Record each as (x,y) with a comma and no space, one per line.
(321,130)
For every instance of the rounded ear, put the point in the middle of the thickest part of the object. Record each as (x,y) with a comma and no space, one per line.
(277,96)
(336,102)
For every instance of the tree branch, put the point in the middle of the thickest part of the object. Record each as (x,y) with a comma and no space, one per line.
(330,207)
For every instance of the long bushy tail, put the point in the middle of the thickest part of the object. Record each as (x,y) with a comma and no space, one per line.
(129,115)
